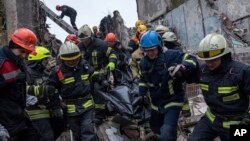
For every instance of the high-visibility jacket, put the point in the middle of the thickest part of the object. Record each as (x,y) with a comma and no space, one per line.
(226,90)
(97,53)
(165,91)
(73,85)
(36,77)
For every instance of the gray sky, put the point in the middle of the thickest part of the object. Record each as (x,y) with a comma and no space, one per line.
(91,12)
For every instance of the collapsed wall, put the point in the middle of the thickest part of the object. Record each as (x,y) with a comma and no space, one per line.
(116,25)
(26,13)
(193,19)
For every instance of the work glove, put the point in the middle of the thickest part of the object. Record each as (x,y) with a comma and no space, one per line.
(176,71)
(4,134)
(111,66)
(56,112)
(51,64)
(31,100)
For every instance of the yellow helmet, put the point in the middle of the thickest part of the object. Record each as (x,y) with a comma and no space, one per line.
(138,22)
(41,53)
(213,46)
(142,28)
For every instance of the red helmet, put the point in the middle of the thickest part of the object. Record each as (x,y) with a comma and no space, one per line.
(58,7)
(25,38)
(110,37)
(72,38)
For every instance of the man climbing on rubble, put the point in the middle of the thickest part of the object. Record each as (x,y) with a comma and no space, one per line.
(14,121)
(101,57)
(225,87)
(68,11)
(171,42)
(37,75)
(72,80)
(163,74)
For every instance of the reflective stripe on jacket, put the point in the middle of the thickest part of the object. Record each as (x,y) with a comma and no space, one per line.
(226,89)
(165,92)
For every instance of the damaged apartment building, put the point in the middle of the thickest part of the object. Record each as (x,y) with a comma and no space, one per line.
(191,20)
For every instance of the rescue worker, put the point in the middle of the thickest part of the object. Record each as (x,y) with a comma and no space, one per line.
(13,117)
(97,33)
(163,74)
(36,77)
(134,41)
(225,87)
(170,41)
(137,55)
(161,29)
(101,57)
(72,38)
(122,58)
(71,79)
(68,11)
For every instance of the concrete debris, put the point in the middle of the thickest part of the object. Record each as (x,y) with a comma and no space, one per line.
(116,25)
(226,21)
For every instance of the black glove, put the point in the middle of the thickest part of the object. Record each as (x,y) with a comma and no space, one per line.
(136,80)
(246,119)
(146,100)
(56,112)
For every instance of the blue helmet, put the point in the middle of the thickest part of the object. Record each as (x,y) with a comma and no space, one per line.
(150,40)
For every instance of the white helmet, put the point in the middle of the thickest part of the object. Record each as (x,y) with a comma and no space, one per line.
(84,32)
(69,51)
(161,29)
(169,37)
(213,46)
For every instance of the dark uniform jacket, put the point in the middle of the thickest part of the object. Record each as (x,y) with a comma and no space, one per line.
(36,77)
(68,11)
(122,56)
(12,92)
(165,91)
(73,85)
(226,89)
(98,54)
